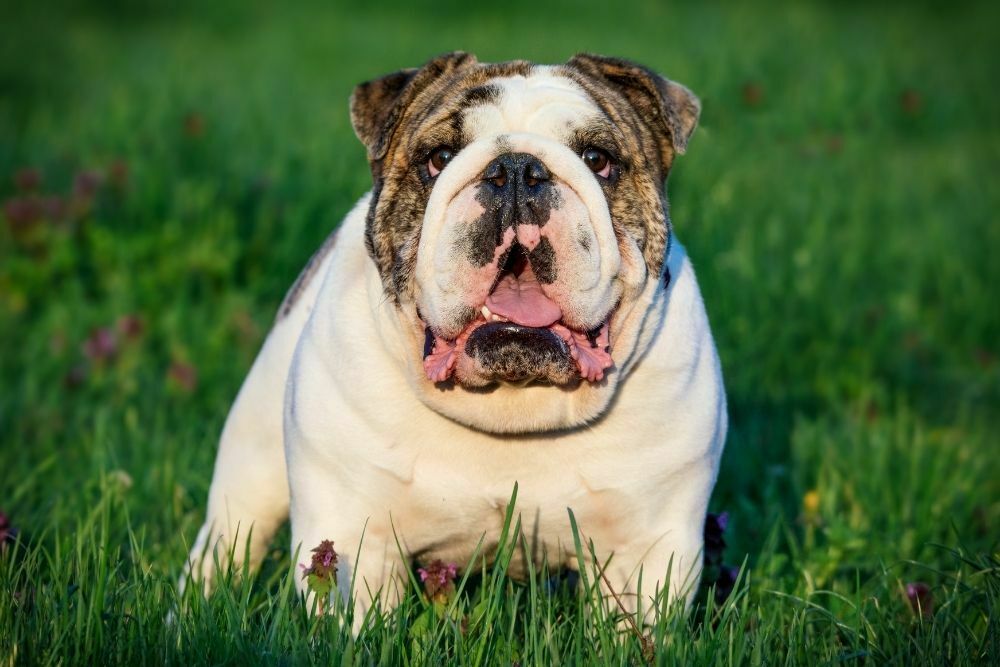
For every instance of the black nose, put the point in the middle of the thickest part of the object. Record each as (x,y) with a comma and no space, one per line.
(516,172)
(514,189)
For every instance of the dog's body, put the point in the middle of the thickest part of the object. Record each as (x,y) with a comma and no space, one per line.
(410,412)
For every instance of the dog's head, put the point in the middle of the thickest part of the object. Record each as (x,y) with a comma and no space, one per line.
(518,212)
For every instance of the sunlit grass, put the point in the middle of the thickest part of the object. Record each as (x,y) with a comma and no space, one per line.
(165,176)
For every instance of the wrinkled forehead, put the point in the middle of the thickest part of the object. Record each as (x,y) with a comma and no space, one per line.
(542,102)
(536,99)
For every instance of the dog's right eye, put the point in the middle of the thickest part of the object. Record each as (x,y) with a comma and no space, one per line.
(441,156)
(598,161)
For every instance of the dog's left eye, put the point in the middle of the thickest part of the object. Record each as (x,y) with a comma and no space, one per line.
(597,161)
(441,156)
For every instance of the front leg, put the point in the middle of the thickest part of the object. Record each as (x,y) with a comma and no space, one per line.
(667,551)
(370,567)
(668,569)
(248,499)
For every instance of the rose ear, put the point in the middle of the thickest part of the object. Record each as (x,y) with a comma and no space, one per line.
(378,105)
(670,106)
(372,102)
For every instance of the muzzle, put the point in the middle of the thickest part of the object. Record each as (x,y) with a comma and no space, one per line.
(519,286)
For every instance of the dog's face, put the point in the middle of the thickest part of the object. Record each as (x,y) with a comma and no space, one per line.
(518,213)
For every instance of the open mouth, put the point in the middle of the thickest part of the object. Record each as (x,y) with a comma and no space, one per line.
(517,300)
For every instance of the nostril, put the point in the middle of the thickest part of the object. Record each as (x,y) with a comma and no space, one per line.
(496,174)
(526,170)
(534,173)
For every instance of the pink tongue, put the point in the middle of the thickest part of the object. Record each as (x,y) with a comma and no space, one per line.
(520,300)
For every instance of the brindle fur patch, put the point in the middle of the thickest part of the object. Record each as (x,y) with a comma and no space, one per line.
(306,276)
(485,94)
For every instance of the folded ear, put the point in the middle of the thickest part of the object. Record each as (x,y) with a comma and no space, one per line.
(378,105)
(671,109)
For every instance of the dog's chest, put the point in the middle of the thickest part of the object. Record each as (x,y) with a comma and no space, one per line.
(452,505)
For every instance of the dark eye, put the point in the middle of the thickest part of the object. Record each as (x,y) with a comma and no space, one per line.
(597,161)
(441,156)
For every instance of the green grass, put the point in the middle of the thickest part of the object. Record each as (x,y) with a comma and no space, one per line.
(838,200)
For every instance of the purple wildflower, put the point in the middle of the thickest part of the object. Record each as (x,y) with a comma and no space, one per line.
(439,579)
(118,174)
(715,541)
(324,561)
(911,102)
(321,575)
(723,577)
(184,376)
(27,179)
(23,212)
(985,358)
(130,326)
(7,532)
(101,345)
(918,594)
(194,125)
(85,184)
(752,93)
(835,144)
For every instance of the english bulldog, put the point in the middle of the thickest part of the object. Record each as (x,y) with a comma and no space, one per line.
(508,304)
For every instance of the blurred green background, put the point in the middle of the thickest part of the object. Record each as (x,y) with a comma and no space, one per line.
(167,168)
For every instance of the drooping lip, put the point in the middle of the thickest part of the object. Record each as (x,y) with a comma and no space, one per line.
(590,350)
(518,298)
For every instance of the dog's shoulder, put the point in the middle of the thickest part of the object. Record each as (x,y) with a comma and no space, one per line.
(317,261)
(307,275)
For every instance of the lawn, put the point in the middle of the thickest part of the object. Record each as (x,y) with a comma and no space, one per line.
(165,174)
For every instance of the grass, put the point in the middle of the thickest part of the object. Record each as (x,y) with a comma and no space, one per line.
(838,201)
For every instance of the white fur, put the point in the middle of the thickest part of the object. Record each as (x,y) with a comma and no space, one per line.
(369,451)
